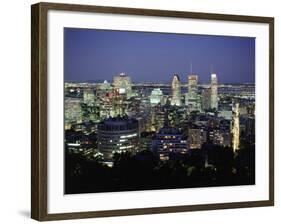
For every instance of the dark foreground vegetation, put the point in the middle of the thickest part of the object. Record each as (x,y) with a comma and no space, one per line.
(210,166)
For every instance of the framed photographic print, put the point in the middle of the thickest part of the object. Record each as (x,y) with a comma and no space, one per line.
(140,111)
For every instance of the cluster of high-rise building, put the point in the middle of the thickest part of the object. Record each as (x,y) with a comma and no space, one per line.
(167,119)
(193,100)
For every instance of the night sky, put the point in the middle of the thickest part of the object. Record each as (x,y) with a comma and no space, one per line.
(91,54)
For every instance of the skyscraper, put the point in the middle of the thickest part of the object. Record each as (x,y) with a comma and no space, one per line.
(176,91)
(214,91)
(206,99)
(192,84)
(235,127)
(123,84)
(192,99)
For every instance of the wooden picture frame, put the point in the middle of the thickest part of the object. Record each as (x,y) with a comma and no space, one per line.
(39,108)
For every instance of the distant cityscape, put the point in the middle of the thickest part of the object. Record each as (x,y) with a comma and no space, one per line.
(121,135)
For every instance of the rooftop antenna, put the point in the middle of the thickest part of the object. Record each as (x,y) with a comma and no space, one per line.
(190,67)
(211,69)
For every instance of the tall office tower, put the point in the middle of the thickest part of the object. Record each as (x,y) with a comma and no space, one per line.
(235,127)
(206,99)
(176,91)
(192,84)
(192,99)
(214,91)
(123,84)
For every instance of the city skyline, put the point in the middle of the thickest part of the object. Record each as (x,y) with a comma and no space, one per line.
(144,131)
(155,57)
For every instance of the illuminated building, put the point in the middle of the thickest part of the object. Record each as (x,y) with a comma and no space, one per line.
(112,103)
(145,141)
(176,91)
(73,112)
(214,91)
(225,109)
(196,137)
(235,128)
(106,96)
(88,96)
(221,136)
(105,86)
(216,137)
(175,116)
(133,107)
(123,84)
(89,106)
(225,132)
(192,98)
(119,134)
(169,140)
(250,129)
(156,96)
(157,118)
(206,99)
(192,84)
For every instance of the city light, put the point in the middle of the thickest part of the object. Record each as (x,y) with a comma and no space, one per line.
(183,121)
(136,118)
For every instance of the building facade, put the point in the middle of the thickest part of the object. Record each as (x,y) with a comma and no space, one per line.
(206,99)
(156,97)
(169,140)
(119,134)
(197,136)
(235,128)
(192,98)
(176,91)
(214,91)
(73,112)
(123,84)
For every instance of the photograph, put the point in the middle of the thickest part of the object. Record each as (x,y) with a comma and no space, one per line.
(154,111)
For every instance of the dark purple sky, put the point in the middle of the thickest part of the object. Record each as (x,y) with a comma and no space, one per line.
(91,54)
